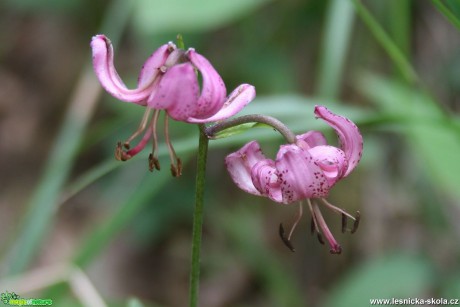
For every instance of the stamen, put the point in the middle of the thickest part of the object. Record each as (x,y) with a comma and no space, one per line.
(176,163)
(138,148)
(140,129)
(314,223)
(336,209)
(320,238)
(284,239)
(120,153)
(298,217)
(344,223)
(287,241)
(356,223)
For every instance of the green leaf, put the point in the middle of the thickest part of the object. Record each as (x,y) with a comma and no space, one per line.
(33,5)
(434,137)
(238,129)
(153,16)
(397,56)
(396,275)
(447,13)
(43,202)
(134,302)
(334,49)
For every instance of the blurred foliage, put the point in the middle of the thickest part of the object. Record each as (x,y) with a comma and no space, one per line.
(156,16)
(390,66)
(393,275)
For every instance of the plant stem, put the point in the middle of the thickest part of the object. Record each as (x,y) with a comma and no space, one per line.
(253,118)
(447,13)
(198,216)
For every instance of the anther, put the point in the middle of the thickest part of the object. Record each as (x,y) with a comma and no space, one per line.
(344,223)
(356,223)
(120,154)
(284,239)
(153,163)
(320,238)
(176,170)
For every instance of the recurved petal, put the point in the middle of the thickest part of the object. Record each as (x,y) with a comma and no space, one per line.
(300,177)
(235,102)
(265,178)
(108,77)
(239,165)
(331,160)
(351,141)
(311,138)
(213,91)
(177,92)
(152,65)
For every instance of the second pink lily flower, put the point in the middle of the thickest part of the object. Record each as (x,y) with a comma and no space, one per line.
(302,171)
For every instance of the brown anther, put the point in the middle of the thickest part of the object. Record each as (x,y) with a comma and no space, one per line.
(120,154)
(344,223)
(337,250)
(284,239)
(320,238)
(126,145)
(153,163)
(176,170)
(356,223)
(179,166)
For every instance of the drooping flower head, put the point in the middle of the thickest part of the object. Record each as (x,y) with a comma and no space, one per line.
(305,170)
(168,81)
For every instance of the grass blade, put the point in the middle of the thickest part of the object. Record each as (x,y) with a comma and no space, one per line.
(339,22)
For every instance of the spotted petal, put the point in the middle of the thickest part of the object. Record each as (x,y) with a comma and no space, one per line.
(351,141)
(300,176)
(111,81)
(265,178)
(177,92)
(331,160)
(240,163)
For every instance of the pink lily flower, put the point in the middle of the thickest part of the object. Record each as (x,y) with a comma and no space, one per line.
(168,81)
(305,170)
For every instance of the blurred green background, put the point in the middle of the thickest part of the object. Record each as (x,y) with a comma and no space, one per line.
(82,229)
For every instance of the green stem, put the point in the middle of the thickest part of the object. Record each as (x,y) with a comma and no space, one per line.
(198,216)
(288,135)
(396,55)
(447,13)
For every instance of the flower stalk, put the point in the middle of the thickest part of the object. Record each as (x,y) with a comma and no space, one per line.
(198,216)
(211,131)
